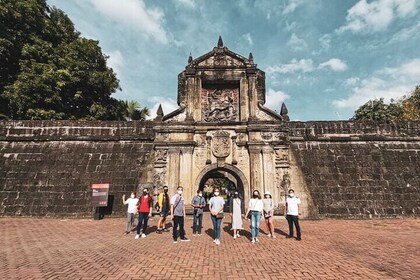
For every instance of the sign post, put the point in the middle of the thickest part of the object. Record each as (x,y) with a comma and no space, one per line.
(99,198)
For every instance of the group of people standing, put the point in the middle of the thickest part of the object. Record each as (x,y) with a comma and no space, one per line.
(174,208)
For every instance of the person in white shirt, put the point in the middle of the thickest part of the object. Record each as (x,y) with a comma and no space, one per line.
(131,211)
(255,207)
(292,214)
(216,205)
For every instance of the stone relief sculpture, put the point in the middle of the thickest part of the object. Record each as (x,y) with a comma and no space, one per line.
(161,155)
(220,105)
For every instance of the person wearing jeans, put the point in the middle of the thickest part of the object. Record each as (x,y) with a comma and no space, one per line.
(131,211)
(255,208)
(216,205)
(198,203)
(292,214)
(178,215)
(145,211)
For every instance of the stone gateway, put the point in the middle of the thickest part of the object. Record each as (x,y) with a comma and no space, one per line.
(222,135)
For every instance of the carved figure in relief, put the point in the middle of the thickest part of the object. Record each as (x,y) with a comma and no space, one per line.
(161,155)
(220,104)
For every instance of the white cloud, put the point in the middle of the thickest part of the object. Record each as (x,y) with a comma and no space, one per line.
(291,6)
(351,82)
(134,13)
(116,62)
(274,99)
(306,65)
(389,83)
(303,65)
(325,42)
(187,3)
(168,105)
(334,64)
(247,37)
(406,34)
(296,43)
(375,16)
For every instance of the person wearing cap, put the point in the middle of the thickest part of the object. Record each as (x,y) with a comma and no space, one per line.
(269,214)
(145,211)
(292,214)
(164,208)
(198,203)
(237,211)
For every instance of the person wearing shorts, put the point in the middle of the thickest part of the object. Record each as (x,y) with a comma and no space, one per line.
(164,209)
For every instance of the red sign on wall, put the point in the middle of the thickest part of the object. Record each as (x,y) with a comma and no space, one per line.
(100,195)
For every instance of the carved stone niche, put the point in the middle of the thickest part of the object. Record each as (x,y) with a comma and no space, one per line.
(221,144)
(281,156)
(220,104)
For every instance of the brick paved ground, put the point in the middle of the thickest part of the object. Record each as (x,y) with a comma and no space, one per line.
(88,249)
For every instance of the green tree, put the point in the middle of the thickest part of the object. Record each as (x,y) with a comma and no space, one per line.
(48,71)
(411,105)
(378,110)
(135,112)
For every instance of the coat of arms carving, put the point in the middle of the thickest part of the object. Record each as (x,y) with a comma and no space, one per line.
(221,144)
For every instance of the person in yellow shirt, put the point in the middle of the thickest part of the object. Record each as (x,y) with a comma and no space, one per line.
(164,209)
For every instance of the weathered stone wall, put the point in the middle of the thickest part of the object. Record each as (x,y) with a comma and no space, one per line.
(359,170)
(46,167)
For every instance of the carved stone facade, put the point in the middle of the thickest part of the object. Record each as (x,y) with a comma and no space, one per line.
(222,126)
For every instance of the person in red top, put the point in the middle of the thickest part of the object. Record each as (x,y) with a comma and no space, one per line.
(145,211)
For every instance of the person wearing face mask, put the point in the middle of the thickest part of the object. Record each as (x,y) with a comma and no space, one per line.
(255,207)
(145,211)
(292,214)
(198,203)
(132,202)
(178,215)
(269,214)
(164,206)
(236,213)
(216,205)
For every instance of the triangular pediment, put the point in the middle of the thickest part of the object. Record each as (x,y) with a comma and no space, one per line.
(220,57)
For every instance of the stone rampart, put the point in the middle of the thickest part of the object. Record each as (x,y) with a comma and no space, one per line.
(47,167)
(360,170)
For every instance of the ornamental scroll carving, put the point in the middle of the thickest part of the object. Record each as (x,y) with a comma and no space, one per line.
(221,144)
(220,105)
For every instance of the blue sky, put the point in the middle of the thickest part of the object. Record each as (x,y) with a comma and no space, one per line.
(323,58)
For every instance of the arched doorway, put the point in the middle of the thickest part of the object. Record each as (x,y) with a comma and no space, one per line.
(228,177)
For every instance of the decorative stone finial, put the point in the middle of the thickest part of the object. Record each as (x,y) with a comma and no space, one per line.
(284,112)
(159,111)
(190,59)
(220,42)
(251,58)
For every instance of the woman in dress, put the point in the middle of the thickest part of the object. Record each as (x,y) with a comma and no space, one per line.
(236,214)
(269,214)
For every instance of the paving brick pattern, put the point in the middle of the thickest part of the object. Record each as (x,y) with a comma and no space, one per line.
(88,249)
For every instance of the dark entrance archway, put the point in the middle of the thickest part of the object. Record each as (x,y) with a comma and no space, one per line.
(228,177)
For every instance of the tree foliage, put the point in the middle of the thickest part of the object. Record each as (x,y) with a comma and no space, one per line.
(405,109)
(48,71)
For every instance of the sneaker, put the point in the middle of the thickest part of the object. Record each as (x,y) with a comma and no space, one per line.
(143,235)
(175,241)
(185,239)
(234,236)
(269,234)
(238,236)
(252,240)
(165,230)
(273,236)
(159,231)
(126,232)
(199,234)
(298,239)
(194,234)
(137,236)
(256,239)
(217,242)
(214,241)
